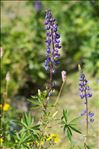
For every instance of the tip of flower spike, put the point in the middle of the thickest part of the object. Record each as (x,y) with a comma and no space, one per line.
(8,76)
(1,52)
(79,67)
(63,73)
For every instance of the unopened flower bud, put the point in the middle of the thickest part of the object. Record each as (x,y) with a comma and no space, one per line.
(63,75)
(1,52)
(7,76)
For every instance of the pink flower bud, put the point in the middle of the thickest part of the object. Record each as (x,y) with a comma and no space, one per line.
(1,52)
(7,76)
(63,75)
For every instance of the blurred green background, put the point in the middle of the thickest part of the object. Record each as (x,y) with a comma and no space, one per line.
(23,41)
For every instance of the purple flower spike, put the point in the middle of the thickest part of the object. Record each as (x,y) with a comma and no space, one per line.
(84,88)
(52,43)
(85,94)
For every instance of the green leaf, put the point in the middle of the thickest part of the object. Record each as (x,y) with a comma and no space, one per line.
(27,120)
(36,127)
(36,103)
(65,114)
(73,128)
(34,97)
(65,127)
(69,134)
(74,121)
(23,123)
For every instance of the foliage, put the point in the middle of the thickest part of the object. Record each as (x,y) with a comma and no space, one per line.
(25,133)
(39,100)
(22,30)
(69,126)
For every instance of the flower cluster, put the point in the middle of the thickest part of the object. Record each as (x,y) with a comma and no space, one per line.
(54,138)
(84,88)
(52,43)
(85,94)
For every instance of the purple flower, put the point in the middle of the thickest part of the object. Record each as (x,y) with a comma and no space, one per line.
(84,88)
(91,114)
(83,112)
(37,5)
(91,120)
(89,95)
(85,94)
(50,93)
(81,96)
(52,43)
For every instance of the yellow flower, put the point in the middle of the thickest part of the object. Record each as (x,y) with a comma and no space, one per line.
(54,137)
(1,141)
(5,107)
(42,142)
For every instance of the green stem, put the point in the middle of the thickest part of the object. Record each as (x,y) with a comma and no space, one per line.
(59,93)
(86,117)
(86,100)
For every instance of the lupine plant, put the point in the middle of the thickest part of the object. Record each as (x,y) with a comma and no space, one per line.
(85,95)
(52,46)
(30,134)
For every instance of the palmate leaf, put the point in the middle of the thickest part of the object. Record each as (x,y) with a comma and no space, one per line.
(65,127)
(74,121)
(74,129)
(38,101)
(69,127)
(22,137)
(25,146)
(27,120)
(69,134)
(65,115)
(34,97)
(35,136)
(68,131)
(26,138)
(35,103)
(36,127)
